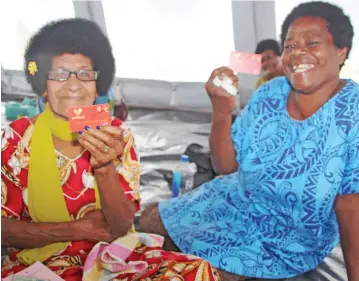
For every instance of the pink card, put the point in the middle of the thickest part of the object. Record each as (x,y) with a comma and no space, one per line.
(91,115)
(38,271)
(246,62)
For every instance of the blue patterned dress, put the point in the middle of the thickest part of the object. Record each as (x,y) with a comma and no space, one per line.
(275,217)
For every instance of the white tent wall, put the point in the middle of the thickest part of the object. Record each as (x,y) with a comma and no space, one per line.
(13,82)
(91,10)
(252,22)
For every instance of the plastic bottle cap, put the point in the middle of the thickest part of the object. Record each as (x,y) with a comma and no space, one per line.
(184,158)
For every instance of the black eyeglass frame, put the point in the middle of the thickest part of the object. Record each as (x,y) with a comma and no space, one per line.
(97,74)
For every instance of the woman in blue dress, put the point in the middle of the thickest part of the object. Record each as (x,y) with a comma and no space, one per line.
(291,164)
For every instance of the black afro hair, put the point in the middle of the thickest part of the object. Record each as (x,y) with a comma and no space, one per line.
(339,25)
(74,36)
(268,44)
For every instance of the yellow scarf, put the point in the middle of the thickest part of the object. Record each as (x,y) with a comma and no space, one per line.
(45,196)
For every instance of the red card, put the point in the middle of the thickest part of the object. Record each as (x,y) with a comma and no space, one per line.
(246,62)
(92,115)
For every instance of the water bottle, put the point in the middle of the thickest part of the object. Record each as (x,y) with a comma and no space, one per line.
(111,99)
(183,176)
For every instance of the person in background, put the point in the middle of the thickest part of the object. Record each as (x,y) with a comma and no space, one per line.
(121,111)
(291,163)
(63,192)
(271,64)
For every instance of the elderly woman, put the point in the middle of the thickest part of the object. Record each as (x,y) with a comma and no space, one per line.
(63,192)
(271,65)
(292,159)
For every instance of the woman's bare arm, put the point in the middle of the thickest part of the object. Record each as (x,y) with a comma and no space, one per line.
(26,235)
(221,145)
(92,227)
(347,210)
(118,210)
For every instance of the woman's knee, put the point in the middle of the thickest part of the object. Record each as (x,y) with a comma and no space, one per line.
(226,276)
(151,222)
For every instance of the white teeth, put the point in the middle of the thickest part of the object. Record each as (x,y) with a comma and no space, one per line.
(302,67)
(300,70)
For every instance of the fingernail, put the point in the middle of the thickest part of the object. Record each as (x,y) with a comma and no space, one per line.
(80,132)
(87,127)
(98,127)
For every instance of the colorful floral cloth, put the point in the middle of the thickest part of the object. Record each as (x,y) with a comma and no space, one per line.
(77,181)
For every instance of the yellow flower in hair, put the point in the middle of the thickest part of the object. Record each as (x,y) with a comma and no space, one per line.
(32,68)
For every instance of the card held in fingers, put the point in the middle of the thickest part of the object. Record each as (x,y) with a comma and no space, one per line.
(245,62)
(92,115)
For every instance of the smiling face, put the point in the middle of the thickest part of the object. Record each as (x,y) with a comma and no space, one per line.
(310,58)
(61,95)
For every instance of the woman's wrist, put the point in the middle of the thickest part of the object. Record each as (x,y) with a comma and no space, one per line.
(77,227)
(103,169)
(221,117)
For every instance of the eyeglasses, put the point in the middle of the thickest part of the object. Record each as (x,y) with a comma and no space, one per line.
(83,74)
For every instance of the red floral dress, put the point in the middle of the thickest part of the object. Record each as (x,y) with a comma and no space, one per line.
(77,183)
